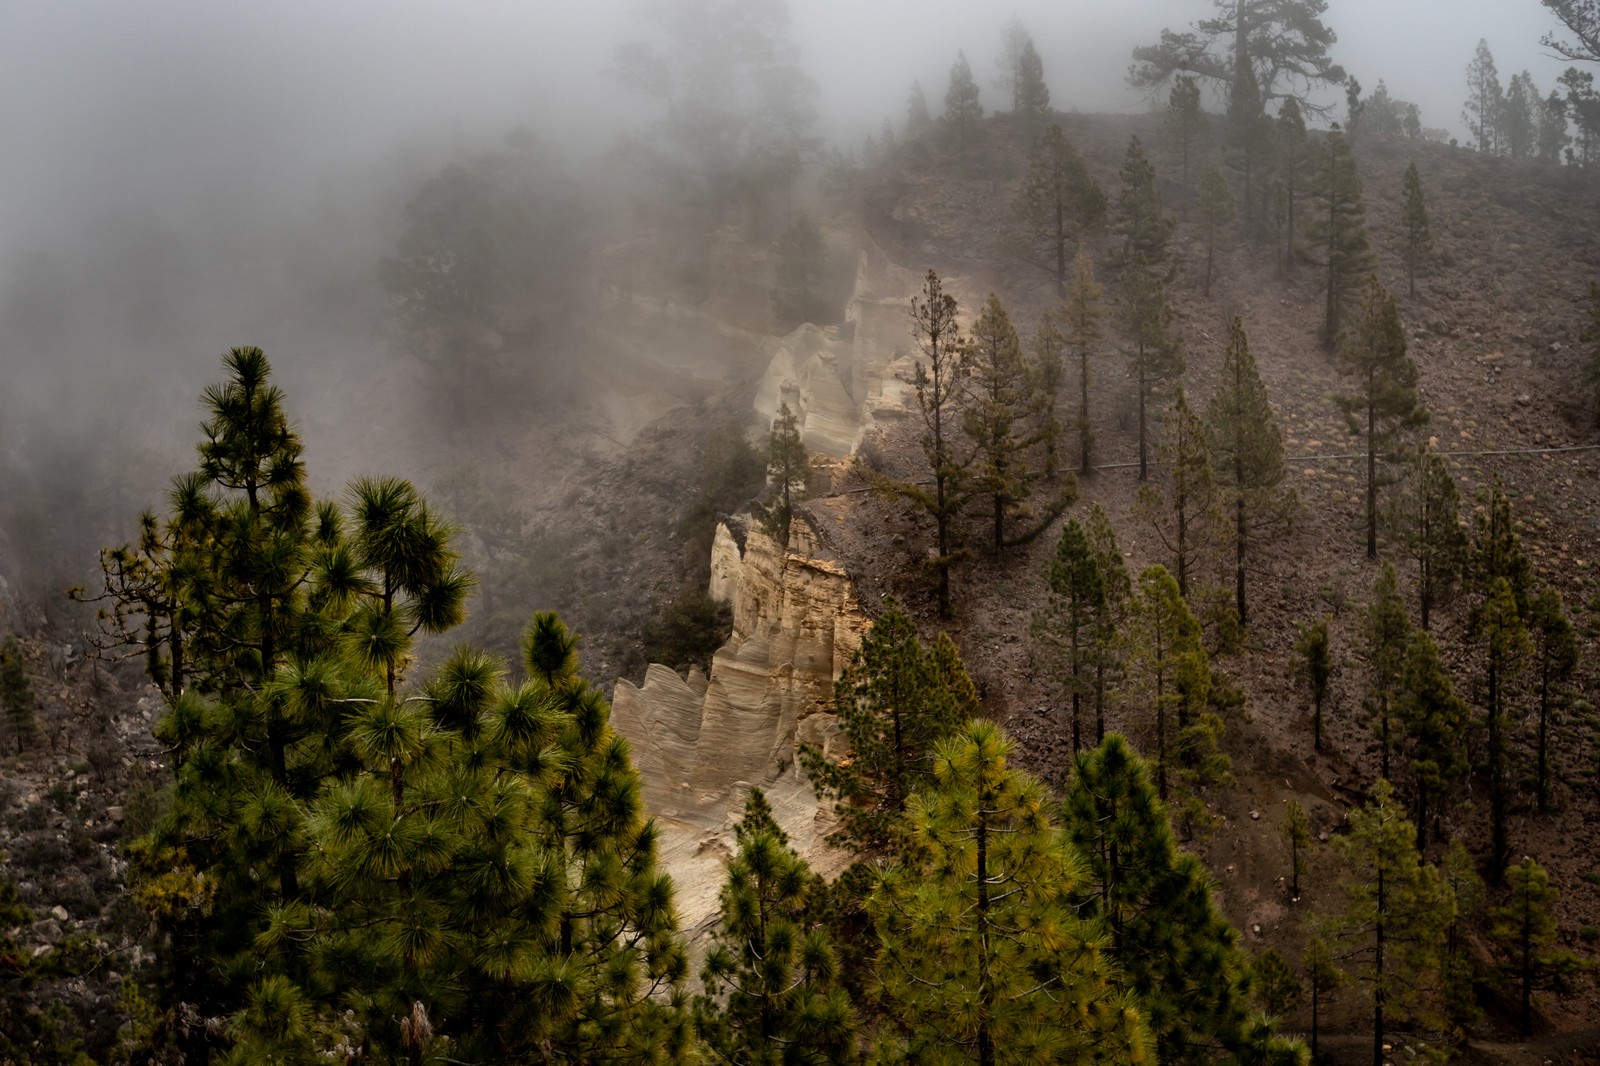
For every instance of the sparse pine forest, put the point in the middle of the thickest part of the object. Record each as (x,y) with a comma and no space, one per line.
(1036,586)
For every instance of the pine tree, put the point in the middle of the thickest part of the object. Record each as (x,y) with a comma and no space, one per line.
(1590,336)
(1481,113)
(1525,931)
(1519,117)
(17,698)
(772,993)
(1507,649)
(894,702)
(1001,397)
(1277,986)
(788,468)
(1168,662)
(1217,210)
(1106,625)
(1140,221)
(1247,457)
(1249,138)
(1297,832)
(800,261)
(1031,102)
(1418,240)
(1186,121)
(1079,322)
(982,943)
(1386,629)
(917,117)
(1323,978)
(937,381)
(1296,167)
(1316,666)
(1461,972)
(963,111)
(1496,550)
(1176,953)
(1385,405)
(1431,531)
(1339,229)
(1397,911)
(1144,318)
(1553,136)
(1058,205)
(1182,506)
(1555,643)
(1063,629)
(1434,721)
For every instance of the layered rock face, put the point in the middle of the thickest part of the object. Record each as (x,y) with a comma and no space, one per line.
(700,744)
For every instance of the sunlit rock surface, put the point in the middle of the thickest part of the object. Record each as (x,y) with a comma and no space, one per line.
(700,744)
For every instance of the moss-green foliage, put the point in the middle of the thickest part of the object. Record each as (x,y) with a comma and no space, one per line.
(984,956)
(1384,405)
(1140,221)
(17,701)
(894,702)
(772,983)
(963,110)
(689,630)
(457,868)
(788,471)
(1338,229)
(1175,953)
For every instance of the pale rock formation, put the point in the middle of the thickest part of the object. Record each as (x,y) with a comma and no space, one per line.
(701,744)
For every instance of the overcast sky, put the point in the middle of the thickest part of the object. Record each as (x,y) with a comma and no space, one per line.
(110,101)
(218,121)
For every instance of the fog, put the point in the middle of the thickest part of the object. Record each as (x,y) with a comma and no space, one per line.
(182,176)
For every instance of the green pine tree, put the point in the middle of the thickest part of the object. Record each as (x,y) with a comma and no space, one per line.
(1247,457)
(1556,646)
(1031,102)
(1323,978)
(1186,122)
(1395,918)
(1183,505)
(937,381)
(1249,137)
(1525,931)
(1385,628)
(1590,336)
(963,111)
(1507,650)
(1217,211)
(1416,236)
(894,702)
(1063,629)
(1496,550)
(1277,987)
(1106,625)
(1144,318)
(1295,165)
(1434,721)
(1316,666)
(17,699)
(1058,205)
(1339,229)
(1168,665)
(1431,531)
(788,469)
(1297,833)
(1079,321)
(1141,223)
(772,994)
(1384,405)
(1002,398)
(982,941)
(1175,951)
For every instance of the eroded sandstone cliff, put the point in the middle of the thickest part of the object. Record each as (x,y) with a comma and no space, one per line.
(701,743)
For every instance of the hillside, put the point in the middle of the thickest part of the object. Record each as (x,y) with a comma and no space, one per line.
(613,490)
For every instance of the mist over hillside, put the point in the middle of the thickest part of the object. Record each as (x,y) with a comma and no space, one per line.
(679,528)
